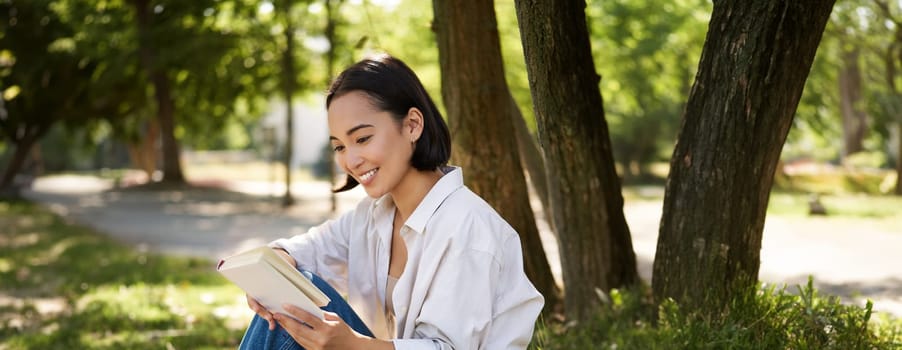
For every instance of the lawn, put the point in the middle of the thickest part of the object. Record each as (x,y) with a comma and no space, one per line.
(63,286)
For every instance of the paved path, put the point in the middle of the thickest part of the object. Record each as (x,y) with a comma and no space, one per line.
(847,257)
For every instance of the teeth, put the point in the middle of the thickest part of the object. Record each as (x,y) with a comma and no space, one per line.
(366,176)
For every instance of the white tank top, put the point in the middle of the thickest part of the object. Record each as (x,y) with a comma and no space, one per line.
(390,304)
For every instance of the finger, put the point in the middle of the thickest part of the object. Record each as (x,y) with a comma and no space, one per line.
(332,318)
(301,333)
(303,315)
(261,311)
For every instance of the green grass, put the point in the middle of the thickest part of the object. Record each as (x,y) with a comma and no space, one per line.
(838,182)
(235,171)
(854,195)
(769,318)
(863,206)
(63,286)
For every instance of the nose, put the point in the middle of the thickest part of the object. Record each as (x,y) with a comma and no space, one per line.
(353,160)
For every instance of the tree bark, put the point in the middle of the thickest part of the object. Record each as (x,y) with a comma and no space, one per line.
(531,158)
(893,53)
(854,118)
(898,191)
(332,9)
(22,149)
(480,115)
(172,166)
(753,68)
(143,153)
(288,87)
(587,205)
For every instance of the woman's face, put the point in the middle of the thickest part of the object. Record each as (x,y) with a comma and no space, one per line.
(369,144)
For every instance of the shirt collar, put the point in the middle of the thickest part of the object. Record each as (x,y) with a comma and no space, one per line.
(447,184)
(450,182)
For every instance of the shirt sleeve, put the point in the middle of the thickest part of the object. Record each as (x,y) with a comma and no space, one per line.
(478,300)
(518,304)
(323,250)
(417,344)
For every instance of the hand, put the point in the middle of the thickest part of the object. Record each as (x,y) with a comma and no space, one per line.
(316,334)
(282,253)
(261,311)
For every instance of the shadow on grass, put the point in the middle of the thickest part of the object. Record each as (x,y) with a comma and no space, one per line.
(65,286)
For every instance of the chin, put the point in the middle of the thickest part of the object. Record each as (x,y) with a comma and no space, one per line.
(374,193)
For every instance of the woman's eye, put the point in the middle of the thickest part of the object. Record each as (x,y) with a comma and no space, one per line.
(338,148)
(364,139)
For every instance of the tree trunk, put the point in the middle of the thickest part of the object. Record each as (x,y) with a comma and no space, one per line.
(22,149)
(753,68)
(531,158)
(894,52)
(172,166)
(480,116)
(332,8)
(899,160)
(587,205)
(143,153)
(854,118)
(288,87)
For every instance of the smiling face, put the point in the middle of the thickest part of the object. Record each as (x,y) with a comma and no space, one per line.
(370,144)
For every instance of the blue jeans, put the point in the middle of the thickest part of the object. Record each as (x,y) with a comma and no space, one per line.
(258,335)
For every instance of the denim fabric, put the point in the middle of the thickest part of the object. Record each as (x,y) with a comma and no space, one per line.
(258,335)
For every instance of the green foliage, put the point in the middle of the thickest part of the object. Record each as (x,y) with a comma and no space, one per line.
(765,318)
(646,53)
(514,62)
(817,126)
(220,58)
(109,296)
(43,80)
(855,25)
(404,31)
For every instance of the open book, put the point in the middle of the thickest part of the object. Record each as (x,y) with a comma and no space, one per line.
(272,281)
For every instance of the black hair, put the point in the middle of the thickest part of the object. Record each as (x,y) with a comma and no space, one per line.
(393,87)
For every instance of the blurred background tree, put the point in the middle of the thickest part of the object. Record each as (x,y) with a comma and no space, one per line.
(40,63)
(647,54)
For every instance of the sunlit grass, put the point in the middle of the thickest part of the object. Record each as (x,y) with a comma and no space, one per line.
(864,206)
(247,171)
(839,181)
(65,286)
(768,318)
(227,171)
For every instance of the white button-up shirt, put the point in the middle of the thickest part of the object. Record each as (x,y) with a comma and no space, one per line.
(463,286)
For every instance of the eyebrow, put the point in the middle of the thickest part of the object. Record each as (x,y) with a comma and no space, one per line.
(352,130)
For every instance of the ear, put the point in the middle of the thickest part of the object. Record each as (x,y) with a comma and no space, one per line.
(413,124)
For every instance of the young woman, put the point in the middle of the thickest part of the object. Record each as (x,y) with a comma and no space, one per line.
(424,262)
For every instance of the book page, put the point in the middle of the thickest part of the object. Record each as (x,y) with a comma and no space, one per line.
(269,287)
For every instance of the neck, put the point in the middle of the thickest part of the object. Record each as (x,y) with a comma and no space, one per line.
(412,189)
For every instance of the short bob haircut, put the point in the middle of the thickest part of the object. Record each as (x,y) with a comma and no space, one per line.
(393,87)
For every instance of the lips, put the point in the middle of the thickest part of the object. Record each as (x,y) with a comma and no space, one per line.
(367,176)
